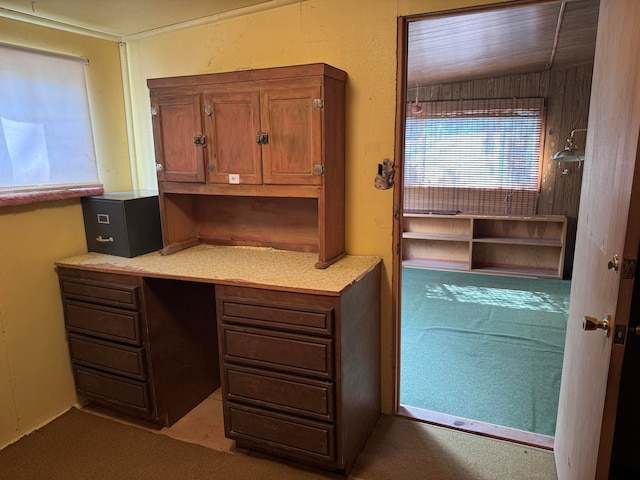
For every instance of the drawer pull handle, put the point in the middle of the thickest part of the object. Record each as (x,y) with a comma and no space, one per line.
(99,238)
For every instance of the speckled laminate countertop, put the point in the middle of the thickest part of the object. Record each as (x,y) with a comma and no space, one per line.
(250,266)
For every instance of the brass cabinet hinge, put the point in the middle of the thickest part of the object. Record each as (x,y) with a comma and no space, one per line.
(318,103)
(629,268)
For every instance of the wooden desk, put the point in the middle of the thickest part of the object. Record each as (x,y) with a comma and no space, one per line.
(295,349)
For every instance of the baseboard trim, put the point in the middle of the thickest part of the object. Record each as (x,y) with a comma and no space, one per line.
(512,435)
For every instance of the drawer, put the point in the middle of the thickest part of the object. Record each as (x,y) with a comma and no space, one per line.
(287,352)
(110,389)
(96,291)
(280,433)
(126,224)
(105,322)
(115,358)
(283,316)
(286,393)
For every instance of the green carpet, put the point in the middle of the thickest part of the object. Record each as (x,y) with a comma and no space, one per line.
(483,347)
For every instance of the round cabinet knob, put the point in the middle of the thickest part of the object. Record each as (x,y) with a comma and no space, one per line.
(158,167)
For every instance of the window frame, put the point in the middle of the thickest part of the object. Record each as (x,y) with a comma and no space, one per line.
(492,199)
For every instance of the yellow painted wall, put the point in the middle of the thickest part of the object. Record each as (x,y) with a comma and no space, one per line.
(36,383)
(358,36)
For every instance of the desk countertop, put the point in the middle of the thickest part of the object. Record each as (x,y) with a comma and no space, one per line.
(250,266)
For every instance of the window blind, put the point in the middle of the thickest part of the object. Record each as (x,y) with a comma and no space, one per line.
(475,156)
(46,139)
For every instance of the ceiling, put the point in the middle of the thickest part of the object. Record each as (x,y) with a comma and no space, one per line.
(120,19)
(444,48)
(501,41)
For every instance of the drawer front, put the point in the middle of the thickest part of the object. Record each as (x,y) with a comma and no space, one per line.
(279,433)
(105,293)
(105,226)
(286,393)
(118,359)
(298,318)
(109,389)
(281,351)
(105,322)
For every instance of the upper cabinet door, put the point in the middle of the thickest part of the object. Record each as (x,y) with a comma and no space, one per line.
(178,137)
(292,152)
(232,122)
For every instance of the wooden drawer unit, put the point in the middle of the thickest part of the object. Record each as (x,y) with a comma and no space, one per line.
(140,346)
(105,322)
(300,371)
(277,315)
(287,393)
(286,434)
(101,292)
(278,351)
(113,390)
(109,356)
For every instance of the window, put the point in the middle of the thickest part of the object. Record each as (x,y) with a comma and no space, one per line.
(46,142)
(476,156)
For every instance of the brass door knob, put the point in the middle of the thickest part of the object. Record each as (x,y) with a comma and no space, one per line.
(591,323)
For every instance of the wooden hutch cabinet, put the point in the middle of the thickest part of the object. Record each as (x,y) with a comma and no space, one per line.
(244,159)
(252,158)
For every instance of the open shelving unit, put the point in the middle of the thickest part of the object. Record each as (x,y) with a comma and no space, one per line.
(532,246)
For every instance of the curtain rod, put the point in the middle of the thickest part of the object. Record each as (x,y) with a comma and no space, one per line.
(74,58)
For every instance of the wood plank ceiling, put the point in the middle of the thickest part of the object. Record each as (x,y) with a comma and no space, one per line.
(501,41)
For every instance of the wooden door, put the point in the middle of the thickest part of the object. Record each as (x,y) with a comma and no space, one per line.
(608,225)
(176,126)
(293,121)
(232,122)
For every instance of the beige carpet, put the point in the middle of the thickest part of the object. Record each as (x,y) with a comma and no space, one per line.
(81,445)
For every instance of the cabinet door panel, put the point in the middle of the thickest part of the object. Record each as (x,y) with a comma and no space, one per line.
(232,121)
(294,126)
(176,123)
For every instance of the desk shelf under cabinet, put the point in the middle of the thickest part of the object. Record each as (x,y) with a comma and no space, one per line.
(519,245)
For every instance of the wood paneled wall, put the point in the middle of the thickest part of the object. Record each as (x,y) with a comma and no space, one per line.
(567,92)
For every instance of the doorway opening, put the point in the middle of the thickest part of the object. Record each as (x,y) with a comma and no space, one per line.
(487,218)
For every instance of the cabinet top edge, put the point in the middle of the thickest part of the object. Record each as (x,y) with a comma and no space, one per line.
(250,75)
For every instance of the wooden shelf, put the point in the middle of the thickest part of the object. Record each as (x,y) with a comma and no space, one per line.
(532,246)
(436,264)
(520,241)
(437,236)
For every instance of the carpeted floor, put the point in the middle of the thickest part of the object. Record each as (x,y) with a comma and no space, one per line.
(483,347)
(79,446)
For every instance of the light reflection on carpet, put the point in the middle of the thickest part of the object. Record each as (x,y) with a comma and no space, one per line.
(502,297)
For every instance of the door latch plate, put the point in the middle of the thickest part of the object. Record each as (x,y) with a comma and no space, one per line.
(620,334)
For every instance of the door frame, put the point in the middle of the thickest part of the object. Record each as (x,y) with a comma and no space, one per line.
(401,105)
(624,293)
